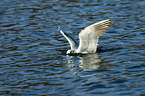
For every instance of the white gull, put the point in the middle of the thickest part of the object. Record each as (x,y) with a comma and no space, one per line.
(88,38)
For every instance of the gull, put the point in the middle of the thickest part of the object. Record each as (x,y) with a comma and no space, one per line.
(88,38)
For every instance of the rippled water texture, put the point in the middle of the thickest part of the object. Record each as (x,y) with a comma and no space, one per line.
(31,48)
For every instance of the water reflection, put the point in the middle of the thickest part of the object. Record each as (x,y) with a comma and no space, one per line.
(87,62)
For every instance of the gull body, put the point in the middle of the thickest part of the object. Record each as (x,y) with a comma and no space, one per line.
(88,38)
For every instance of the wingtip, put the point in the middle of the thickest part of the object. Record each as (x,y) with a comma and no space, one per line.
(110,20)
(57,26)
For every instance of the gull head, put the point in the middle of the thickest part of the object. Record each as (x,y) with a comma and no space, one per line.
(71,52)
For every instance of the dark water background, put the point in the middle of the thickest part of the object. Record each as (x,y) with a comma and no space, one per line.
(31,62)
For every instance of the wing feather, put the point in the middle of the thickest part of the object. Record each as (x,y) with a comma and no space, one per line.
(88,38)
(72,42)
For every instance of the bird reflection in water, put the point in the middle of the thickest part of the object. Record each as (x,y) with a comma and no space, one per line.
(86,62)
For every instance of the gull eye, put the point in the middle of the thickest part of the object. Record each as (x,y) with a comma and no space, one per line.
(72,52)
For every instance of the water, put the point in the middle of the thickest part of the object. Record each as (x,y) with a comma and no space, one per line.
(31,59)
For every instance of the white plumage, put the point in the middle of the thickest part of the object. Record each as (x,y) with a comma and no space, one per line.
(88,37)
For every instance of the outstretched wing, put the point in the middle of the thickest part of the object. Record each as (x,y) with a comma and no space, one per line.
(71,41)
(88,38)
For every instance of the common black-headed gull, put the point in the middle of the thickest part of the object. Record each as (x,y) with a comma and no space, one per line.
(88,38)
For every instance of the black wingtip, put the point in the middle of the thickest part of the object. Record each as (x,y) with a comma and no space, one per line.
(57,26)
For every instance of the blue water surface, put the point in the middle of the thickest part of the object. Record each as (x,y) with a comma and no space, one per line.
(32,59)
